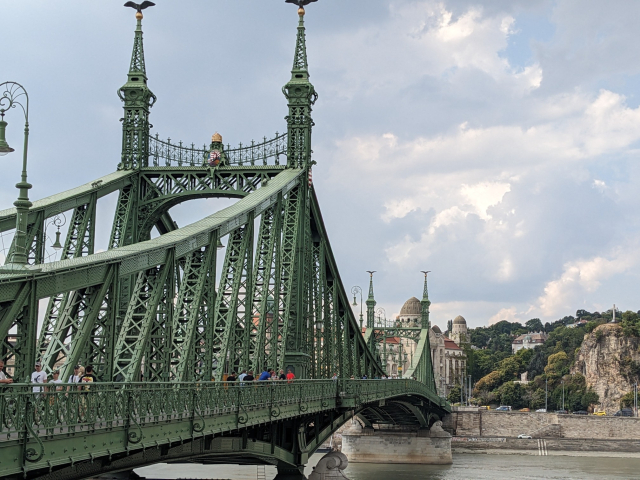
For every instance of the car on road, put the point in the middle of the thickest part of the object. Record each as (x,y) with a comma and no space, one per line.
(600,414)
(561,411)
(580,412)
(625,412)
(525,410)
(522,435)
(541,410)
(503,408)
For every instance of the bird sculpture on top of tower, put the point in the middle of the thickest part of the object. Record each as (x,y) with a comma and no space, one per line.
(139,6)
(301,3)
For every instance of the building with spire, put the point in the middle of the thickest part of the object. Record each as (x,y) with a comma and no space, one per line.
(447,357)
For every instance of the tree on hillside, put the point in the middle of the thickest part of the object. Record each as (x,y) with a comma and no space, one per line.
(557,365)
(630,324)
(511,394)
(534,325)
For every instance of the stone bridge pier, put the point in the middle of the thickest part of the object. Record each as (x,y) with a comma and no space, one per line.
(397,444)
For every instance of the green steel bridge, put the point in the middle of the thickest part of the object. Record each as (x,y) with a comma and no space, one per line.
(162,320)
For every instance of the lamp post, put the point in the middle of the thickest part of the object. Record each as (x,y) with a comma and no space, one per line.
(635,399)
(355,291)
(13,94)
(383,313)
(562,395)
(546,393)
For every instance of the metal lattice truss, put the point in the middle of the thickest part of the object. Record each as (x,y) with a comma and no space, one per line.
(155,310)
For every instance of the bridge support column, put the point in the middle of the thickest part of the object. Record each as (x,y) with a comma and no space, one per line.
(398,445)
(290,473)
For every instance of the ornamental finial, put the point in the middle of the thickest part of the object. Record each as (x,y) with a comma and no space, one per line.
(216,138)
(139,7)
(301,4)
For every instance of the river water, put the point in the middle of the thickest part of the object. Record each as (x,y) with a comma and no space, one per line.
(475,467)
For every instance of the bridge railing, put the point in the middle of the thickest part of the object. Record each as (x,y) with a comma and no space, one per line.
(69,408)
(164,153)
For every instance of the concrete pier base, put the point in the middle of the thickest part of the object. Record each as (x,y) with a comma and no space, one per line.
(290,473)
(398,445)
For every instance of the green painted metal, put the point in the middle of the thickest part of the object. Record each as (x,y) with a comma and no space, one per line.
(154,309)
(424,305)
(115,420)
(138,100)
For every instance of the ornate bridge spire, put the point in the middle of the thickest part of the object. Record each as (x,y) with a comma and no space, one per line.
(371,302)
(301,96)
(138,100)
(137,66)
(425,303)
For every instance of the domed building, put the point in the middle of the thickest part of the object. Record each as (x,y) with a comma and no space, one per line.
(410,313)
(459,332)
(448,359)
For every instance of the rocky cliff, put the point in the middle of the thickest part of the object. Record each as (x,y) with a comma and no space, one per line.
(607,359)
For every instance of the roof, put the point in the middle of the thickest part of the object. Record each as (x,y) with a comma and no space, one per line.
(450,344)
(459,320)
(539,337)
(436,329)
(411,307)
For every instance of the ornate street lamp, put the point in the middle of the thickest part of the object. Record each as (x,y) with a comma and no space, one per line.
(58,222)
(355,291)
(13,94)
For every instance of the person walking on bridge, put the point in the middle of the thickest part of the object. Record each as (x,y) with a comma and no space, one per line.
(290,376)
(265,375)
(38,376)
(3,376)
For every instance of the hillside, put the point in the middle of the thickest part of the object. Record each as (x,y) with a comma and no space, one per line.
(610,363)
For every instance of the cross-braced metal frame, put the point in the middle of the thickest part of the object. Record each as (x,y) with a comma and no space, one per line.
(250,287)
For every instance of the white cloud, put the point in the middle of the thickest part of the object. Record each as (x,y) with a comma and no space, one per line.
(484,195)
(509,314)
(580,277)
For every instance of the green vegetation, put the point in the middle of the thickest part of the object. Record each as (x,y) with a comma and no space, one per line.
(496,371)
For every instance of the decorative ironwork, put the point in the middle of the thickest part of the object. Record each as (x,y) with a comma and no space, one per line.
(73,408)
(164,153)
(154,308)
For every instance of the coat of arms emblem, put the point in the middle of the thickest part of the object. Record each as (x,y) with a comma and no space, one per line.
(214,158)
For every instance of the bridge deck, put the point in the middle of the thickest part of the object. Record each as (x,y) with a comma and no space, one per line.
(56,428)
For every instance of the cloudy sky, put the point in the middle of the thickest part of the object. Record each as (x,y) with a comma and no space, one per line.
(492,142)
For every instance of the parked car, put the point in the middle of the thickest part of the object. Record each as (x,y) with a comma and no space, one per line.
(541,410)
(522,435)
(625,412)
(503,408)
(580,412)
(561,411)
(600,414)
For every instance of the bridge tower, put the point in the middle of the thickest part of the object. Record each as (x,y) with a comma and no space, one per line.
(425,304)
(301,96)
(371,303)
(138,100)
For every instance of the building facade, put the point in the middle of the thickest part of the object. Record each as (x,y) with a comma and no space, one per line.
(529,341)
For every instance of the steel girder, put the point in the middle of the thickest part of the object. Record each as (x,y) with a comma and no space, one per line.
(141,319)
(267,278)
(173,324)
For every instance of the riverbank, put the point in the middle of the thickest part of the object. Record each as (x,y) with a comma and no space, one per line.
(571,447)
